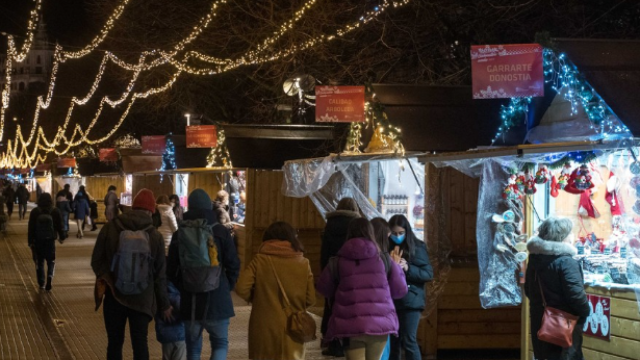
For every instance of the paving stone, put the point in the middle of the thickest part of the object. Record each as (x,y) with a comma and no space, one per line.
(62,324)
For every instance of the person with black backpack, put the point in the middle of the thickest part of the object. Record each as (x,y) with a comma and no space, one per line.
(204,265)
(129,262)
(45,226)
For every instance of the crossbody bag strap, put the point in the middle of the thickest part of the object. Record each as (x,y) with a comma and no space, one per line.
(544,301)
(284,295)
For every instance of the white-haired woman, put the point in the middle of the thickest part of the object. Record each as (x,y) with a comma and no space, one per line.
(552,268)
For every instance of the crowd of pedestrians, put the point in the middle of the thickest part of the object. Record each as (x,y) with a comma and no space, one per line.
(155,262)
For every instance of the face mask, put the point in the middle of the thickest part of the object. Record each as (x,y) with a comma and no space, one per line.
(398,239)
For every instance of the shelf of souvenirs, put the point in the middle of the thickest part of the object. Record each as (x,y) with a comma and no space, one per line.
(610,267)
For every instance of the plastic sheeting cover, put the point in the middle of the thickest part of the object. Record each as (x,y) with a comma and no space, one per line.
(328,180)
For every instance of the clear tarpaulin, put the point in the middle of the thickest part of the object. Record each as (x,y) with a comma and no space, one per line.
(382,186)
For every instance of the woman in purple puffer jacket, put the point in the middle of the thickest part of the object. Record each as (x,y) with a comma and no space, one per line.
(364,283)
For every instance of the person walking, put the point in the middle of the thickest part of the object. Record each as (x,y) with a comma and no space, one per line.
(177,208)
(381,231)
(168,219)
(363,281)
(171,334)
(553,275)
(45,226)
(22,195)
(9,199)
(111,203)
(411,253)
(210,310)
(64,198)
(334,235)
(123,303)
(280,262)
(81,210)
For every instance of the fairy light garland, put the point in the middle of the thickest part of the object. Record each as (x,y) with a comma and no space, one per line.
(565,79)
(64,55)
(12,51)
(253,57)
(220,152)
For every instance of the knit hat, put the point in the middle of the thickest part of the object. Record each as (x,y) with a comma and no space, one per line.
(199,199)
(145,200)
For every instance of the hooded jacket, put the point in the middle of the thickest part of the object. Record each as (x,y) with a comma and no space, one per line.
(169,223)
(154,297)
(41,248)
(258,285)
(552,267)
(364,292)
(173,331)
(220,303)
(335,234)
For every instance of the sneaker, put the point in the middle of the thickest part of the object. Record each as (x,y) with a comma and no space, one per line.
(41,286)
(48,287)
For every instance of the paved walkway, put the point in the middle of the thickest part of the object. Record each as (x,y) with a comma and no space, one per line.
(62,324)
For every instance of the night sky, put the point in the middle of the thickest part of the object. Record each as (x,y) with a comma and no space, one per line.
(67,20)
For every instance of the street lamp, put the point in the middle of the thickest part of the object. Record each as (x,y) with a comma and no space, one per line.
(188,116)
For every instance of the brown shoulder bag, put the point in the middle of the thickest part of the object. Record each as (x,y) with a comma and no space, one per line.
(300,325)
(557,325)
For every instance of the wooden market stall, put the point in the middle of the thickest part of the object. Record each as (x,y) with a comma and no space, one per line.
(459,322)
(510,326)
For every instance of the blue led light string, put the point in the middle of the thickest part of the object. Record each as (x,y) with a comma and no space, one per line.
(564,78)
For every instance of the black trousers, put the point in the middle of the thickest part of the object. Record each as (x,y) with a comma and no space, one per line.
(10,208)
(115,321)
(40,258)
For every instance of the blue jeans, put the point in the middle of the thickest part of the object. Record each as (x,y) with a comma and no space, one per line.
(218,336)
(407,340)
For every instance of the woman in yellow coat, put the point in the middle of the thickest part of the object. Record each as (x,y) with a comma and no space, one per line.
(280,251)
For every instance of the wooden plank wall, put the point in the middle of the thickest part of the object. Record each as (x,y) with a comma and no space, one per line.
(266,204)
(97,187)
(209,182)
(153,183)
(459,321)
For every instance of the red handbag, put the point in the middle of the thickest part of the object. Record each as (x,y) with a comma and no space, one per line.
(557,325)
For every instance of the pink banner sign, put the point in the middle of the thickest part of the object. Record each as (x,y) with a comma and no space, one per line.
(340,104)
(155,144)
(598,323)
(108,155)
(66,162)
(506,71)
(202,136)
(43,167)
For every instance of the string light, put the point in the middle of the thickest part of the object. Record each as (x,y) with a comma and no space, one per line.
(565,78)
(511,114)
(80,136)
(64,55)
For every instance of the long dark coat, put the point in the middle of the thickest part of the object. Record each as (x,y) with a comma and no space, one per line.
(335,234)
(563,285)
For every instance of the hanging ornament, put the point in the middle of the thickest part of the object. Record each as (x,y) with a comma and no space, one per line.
(611,195)
(586,207)
(554,187)
(542,175)
(529,183)
(579,181)
(520,181)
(512,191)
(564,176)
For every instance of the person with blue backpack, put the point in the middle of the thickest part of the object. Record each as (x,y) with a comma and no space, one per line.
(45,226)
(129,262)
(204,266)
